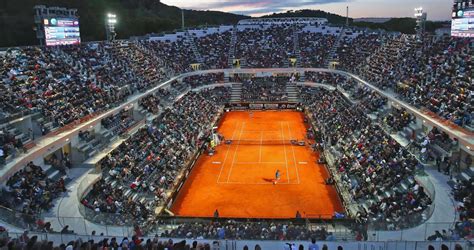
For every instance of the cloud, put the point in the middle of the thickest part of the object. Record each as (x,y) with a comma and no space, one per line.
(250,7)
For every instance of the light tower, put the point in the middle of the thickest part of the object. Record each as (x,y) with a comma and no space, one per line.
(347,16)
(420,22)
(110,22)
(182,19)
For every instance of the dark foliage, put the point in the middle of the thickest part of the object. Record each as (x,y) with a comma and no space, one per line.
(136,17)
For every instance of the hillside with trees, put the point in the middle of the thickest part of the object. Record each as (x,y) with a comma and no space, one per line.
(140,17)
(135,18)
(332,18)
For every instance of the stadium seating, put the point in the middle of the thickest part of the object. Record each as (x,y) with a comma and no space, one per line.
(265,90)
(32,190)
(422,73)
(141,172)
(371,163)
(265,48)
(66,84)
(214,49)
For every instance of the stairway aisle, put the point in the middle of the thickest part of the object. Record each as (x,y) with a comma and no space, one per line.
(291,92)
(332,56)
(233,41)
(236,94)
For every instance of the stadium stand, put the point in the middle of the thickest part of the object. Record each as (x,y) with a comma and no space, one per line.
(363,163)
(214,49)
(265,90)
(140,173)
(423,75)
(264,48)
(376,148)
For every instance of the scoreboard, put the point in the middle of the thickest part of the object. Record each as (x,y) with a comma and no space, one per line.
(462,24)
(61,31)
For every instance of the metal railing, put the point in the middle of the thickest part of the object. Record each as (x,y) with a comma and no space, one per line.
(230,244)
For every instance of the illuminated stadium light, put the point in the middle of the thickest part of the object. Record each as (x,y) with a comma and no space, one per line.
(111,18)
(421,17)
(110,23)
(418,12)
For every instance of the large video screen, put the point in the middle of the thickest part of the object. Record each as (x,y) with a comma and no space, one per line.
(61,31)
(462,24)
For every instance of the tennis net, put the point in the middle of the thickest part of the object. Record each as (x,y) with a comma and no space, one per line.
(300,142)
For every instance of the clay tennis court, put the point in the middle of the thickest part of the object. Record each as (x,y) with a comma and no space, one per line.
(238,179)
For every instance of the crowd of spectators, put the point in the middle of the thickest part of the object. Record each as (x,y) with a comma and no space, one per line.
(155,102)
(347,84)
(369,99)
(463,227)
(214,49)
(372,165)
(234,230)
(139,174)
(133,67)
(397,119)
(177,55)
(266,46)
(68,83)
(434,73)
(118,123)
(29,191)
(314,48)
(463,194)
(265,89)
(32,242)
(205,79)
(353,51)
(9,145)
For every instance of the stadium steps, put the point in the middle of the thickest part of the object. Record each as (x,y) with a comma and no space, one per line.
(332,55)
(243,63)
(438,150)
(340,233)
(53,173)
(18,134)
(296,47)
(46,124)
(236,93)
(302,76)
(89,147)
(292,92)
(233,41)
(107,135)
(142,111)
(192,44)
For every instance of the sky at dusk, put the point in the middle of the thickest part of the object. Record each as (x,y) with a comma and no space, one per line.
(436,9)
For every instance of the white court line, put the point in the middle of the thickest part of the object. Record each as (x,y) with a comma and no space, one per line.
(294,157)
(227,152)
(262,162)
(259,183)
(260,148)
(235,154)
(284,147)
(250,130)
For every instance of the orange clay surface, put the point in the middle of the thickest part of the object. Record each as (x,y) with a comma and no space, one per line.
(238,179)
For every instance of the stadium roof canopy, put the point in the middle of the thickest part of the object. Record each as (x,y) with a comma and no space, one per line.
(283,20)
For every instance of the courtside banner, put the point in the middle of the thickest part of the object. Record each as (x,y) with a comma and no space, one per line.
(261,106)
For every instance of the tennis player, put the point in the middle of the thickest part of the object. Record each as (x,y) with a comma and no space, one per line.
(251,114)
(277,177)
